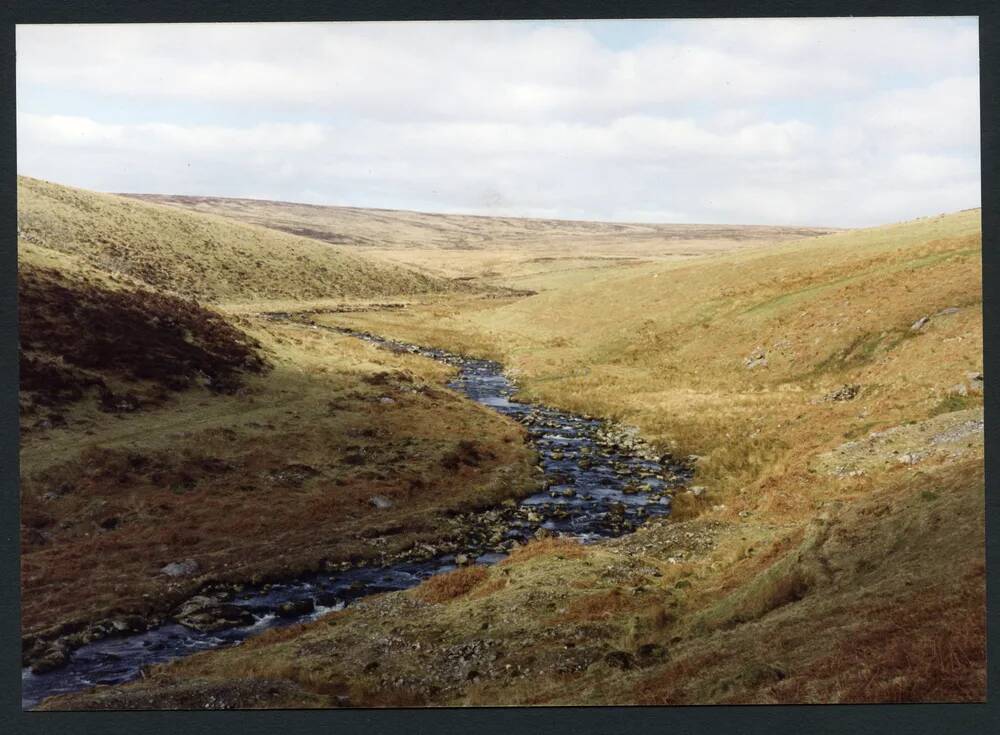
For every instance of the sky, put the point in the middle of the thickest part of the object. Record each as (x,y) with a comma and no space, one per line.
(838,121)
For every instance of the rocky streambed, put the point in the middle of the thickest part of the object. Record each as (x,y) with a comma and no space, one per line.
(599,480)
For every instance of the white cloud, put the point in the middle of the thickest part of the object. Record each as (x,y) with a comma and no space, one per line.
(943,114)
(828,121)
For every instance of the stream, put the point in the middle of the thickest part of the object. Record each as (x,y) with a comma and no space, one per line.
(599,484)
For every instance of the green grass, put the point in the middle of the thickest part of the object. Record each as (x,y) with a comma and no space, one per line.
(952,403)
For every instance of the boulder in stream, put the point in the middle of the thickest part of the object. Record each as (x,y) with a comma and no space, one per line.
(296,608)
(206,615)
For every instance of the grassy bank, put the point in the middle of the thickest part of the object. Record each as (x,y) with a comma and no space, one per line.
(156,430)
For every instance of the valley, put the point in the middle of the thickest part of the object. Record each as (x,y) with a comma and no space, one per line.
(815,394)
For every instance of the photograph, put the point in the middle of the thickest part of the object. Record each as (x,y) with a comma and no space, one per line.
(499,363)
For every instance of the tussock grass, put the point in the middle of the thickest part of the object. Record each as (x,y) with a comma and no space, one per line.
(928,648)
(448,586)
(561,548)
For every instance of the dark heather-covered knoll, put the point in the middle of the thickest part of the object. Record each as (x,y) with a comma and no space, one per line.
(127,347)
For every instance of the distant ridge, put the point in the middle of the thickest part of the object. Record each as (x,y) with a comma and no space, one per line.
(388,228)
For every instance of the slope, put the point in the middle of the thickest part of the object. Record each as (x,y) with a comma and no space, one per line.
(197,255)
(492,247)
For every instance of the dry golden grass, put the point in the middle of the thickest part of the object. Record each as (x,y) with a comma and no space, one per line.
(197,255)
(448,586)
(929,647)
(501,249)
(597,606)
(556,546)
(663,346)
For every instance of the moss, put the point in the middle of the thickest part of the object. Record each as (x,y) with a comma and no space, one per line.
(951,403)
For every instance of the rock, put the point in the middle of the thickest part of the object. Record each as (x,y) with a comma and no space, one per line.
(844,393)
(697,490)
(909,458)
(919,324)
(293,475)
(462,560)
(206,615)
(757,358)
(380,501)
(296,608)
(34,537)
(328,599)
(975,383)
(959,389)
(185,568)
(113,403)
(386,399)
(53,657)
(67,488)
(129,624)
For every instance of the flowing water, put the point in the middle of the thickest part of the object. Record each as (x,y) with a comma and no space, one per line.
(596,487)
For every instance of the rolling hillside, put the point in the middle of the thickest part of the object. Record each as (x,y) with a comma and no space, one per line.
(197,255)
(473,246)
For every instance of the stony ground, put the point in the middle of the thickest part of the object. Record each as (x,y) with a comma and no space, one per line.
(942,438)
